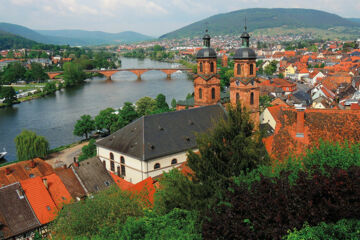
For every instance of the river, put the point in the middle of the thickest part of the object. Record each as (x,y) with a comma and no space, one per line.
(54,116)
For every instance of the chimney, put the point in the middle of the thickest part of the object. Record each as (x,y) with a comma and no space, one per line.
(32,163)
(45,183)
(300,111)
(76,164)
(7,171)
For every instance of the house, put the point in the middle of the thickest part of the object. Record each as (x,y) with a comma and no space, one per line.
(299,129)
(286,86)
(92,175)
(153,144)
(23,170)
(17,218)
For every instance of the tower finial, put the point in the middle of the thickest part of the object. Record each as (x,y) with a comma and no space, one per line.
(245,25)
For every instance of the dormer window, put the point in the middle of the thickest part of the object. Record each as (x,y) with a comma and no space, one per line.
(157,165)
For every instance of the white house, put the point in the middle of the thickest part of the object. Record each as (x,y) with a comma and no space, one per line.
(155,144)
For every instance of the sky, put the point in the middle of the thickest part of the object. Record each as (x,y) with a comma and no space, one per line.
(150,17)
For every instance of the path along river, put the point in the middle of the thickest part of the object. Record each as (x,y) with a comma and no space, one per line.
(54,116)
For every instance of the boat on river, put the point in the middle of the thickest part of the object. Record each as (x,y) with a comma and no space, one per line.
(3,154)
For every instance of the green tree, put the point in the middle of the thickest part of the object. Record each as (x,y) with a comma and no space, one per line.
(128,112)
(88,151)
(104,214)
(271,68)
(231,148)
(49,88)
(161,104)
(265,102)
(84,126)
(29,145)
(145,105)
(13,73)
(73,74)
(173,103)
(38,73)
(105,119)
(178,224)
(9,94)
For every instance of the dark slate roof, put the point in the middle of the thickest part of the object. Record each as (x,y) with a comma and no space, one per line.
(16,213)
(206,53)
(93,175)
(244,53)
(302,97)
(163,134)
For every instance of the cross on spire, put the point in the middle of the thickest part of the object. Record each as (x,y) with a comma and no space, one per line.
(245,25)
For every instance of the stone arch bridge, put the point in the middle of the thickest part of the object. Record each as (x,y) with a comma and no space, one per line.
(137,72)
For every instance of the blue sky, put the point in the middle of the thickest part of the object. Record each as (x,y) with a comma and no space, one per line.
(151,17)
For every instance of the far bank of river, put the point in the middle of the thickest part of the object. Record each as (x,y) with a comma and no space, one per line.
(54,116)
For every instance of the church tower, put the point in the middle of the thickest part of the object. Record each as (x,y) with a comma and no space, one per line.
(207,82)
(244,86)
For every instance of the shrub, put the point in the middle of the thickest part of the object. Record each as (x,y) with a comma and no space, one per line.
(345,229)
(272,205)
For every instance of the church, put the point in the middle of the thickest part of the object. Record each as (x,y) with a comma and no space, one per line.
(244,86)
(154,144)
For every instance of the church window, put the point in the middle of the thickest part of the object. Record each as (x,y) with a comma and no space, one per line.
(157,165)
(251,69)
(212,67)
(213,93)
(111,156)
(201,67)
(238,70)
(237,97)
(200,93)
(251,98)
(112,166)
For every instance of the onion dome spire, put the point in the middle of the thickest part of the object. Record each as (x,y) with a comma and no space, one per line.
(206,39)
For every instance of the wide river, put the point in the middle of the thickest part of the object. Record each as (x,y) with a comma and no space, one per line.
(54,116)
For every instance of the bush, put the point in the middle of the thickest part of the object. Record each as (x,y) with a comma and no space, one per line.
(343,230)
(178,224)
(88,151)
(272,205)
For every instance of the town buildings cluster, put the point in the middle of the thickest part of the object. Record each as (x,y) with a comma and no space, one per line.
(315,95)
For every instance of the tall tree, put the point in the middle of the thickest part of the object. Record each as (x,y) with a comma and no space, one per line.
(29,145)
(84,126)
(13,72)
(105,119)
(73,74)
(128,112)
(9,94)
(145,105)
(38,73)
(161,104)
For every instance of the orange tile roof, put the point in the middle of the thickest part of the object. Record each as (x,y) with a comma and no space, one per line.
(326,124)
(40,200)
(146,190)
(122,183)
(57,190)
(278,101)
(23,170)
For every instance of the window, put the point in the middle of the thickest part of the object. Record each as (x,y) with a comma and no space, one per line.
(122,161)
(251,98)
(200,93)
(123,173)
(251,69)
(112,166)
(118,171)
(213,93)
(111,156)
(107,183)
(104,163)
(157,165)
(201,67)
(174,161)
(212,67)
(237,97)
(238,69)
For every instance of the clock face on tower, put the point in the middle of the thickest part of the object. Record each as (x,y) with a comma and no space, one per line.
(237,82)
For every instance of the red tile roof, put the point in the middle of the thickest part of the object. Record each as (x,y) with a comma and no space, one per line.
(40,199)
(122,183)
(146,190)
(23,170)
(57,190)
(326,124)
